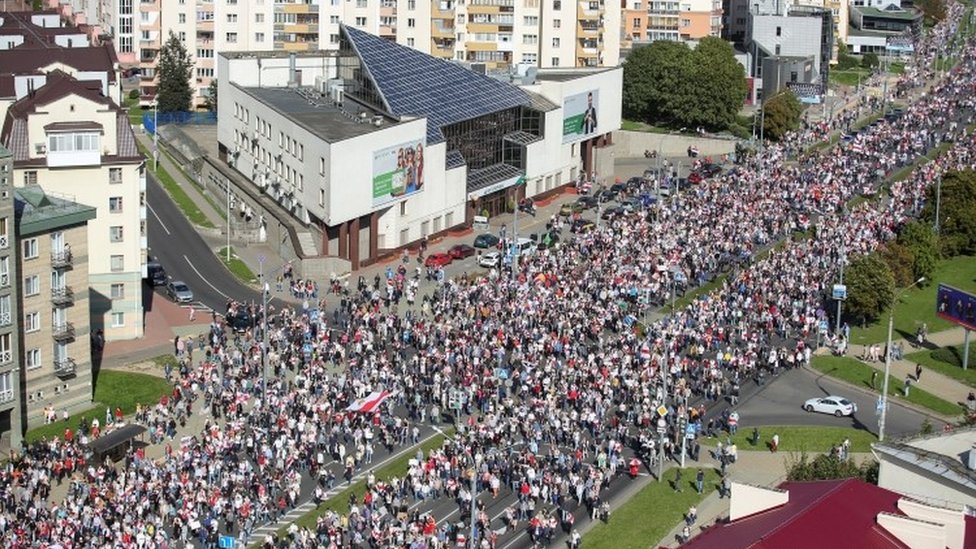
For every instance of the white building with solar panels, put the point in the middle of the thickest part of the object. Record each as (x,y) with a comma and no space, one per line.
(376,145)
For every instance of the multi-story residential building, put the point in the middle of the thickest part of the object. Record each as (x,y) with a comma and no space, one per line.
(52,235)
(206,27)
(645,21)
(72,140)
(11,424)
(496,33)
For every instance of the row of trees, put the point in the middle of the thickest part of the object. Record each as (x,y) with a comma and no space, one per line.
(871,280)
(670,84)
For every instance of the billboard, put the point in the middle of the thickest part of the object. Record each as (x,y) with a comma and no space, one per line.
(957,306)
(579,115)
(398,172)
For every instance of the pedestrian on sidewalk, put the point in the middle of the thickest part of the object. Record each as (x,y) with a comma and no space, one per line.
(725,488)
(193,313)
(918,373)
(874,379)
(700,481)
(691,516)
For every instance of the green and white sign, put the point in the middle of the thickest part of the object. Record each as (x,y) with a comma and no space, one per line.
(398,172)
(580,115)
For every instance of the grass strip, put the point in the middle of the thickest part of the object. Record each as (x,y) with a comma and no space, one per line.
(112,389)
(339,503)
(858,373)
(936,360)
(801,438)
(179,196)
(237,267)
(651,514)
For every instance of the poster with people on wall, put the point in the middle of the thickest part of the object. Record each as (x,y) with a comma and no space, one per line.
(580,115)
(398,172)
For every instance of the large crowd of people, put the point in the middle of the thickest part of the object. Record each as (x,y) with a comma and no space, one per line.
(551,386)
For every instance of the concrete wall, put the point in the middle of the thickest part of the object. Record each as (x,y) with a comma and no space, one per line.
(630,144)
(914,481)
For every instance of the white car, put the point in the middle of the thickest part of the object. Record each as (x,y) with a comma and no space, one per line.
(490,260)
(836,405)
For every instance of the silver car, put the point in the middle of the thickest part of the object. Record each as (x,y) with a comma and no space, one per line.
(490,260)
(836,405)
(179,292)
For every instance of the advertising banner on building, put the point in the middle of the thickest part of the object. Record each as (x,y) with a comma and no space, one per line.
(957,306)
(580,115)
(398,172)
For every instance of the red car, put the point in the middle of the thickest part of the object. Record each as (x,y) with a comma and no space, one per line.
(460,251)
(695,178)
(438,260)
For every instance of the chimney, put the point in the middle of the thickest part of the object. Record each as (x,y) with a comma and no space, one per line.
(292,80)
(971,462)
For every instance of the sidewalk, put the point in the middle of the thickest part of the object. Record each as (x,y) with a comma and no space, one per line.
(757,468)
(938,384)
(187,186)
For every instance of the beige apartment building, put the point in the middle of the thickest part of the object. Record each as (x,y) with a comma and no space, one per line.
(10,418)
(496,33)
(78,144)
(54,302)
(644,21)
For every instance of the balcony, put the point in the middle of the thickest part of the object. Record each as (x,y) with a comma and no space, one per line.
(62,296)
(64,367)
(63,332)
(62,259)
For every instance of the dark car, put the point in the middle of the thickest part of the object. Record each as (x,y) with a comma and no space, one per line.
(618,188)
(710,170)
(242,321)
(634,183)
(155,274)
(605,195)
(461,251)
(486,240)
(587,202)
(438,260)
(695,178)
(612,212)
(582,226)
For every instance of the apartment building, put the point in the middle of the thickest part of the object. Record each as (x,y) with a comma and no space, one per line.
(11,425)
(644,21)
(52,235)
(495,33)
(206,27)
(75,142)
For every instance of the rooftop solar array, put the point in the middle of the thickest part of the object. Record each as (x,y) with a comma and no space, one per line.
(416,84)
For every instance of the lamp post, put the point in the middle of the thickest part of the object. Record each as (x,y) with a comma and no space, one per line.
(938,201)
(264,329)
(887,370)
(660,154)
(664,380)
(155,106)
(474,500)
(840,302)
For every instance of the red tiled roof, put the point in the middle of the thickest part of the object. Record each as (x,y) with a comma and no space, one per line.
(25,60)
(819,514)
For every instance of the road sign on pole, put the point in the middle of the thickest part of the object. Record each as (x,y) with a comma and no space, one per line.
(229,542)
(661,426)
(662,411)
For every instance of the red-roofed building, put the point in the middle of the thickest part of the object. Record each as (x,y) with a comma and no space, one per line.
(836,514)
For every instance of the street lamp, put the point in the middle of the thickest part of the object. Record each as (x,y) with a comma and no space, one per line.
(660,154)
(155,106)
(887,370)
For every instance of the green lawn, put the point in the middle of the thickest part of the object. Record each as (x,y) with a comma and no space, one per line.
(397,468)
(635,126)
(849,77)
(237,267)
(651,514)
(134,110)
(802,438)
(918,305)
(948,362)
(112,389)
(858,373)
(896,68)
(179,196)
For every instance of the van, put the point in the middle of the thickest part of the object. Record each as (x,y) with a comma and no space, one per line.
(525,246)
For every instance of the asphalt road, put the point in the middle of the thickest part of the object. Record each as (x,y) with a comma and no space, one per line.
(186,256)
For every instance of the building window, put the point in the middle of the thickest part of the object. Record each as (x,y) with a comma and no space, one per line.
(403,208)
(410,42)
(33,359)
(115,204)
(531,21)
(118,291)
(32,322)
(555,42)
(411,4)
(115,233)
(117,263)
(259,18)
(6,387)
(231,17)
(232,37)
(182,18)
(779,31)
(118,319)
(32,285)
(322,197)
(557,24)
(30,177)
(360,21)
(115,175)
(73,142)
(411,22)
(6,313)
(259,37)
(778,47)
(555,61)
(637,22)
(30,248)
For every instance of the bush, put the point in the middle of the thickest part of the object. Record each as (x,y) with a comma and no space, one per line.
(830,466)
(134,94)
(953,355)
(870,60)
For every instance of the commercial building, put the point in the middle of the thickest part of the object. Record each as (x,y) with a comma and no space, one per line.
(52,236)
(495,33)
(76,143)
(883,28)
(781,45)
(737,14)
(11,423)
(376,145)
(937,468)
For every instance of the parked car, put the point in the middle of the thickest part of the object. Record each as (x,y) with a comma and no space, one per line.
(605,195)
(836,405)
(695,178)
(179,292)
(710,170)
(485,240)
(630,205)
(438,260)
(612,212)
(526,246)
(461,251)
(156,274)
(618,188)
(490,260)
(582,226)
(587,202)
(240,322)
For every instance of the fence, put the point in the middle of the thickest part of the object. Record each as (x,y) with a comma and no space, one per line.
(150,119)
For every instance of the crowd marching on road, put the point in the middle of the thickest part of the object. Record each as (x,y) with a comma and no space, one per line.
(552,390)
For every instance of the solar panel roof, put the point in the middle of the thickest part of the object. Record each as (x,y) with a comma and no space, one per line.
(416,84)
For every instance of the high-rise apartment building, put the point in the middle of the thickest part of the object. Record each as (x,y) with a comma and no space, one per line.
(206,26)
(676,20)
(10,417)
(496,33)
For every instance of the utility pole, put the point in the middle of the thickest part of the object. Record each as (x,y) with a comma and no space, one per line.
(264,331)
(938,201)
(474,501)
(516,249)
(887,370)
(156,134)
(664,380)
(840,302)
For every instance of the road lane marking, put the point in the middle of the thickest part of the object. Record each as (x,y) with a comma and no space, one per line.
(163,225)
(203,278)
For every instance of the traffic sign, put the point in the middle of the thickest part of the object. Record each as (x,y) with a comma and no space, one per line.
(879,406)
(839,291)
(661,426)
(824,326)
(662,411)
(230,542)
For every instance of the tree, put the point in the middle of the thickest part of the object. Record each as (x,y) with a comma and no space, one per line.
(870,287)
(933,10)
(923,244)
(870,60)
(782,114)
(713,89)
(845,61)
(651,76)
(175,69)
(211,102)
(899,259)
(829,467)
(957,224)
